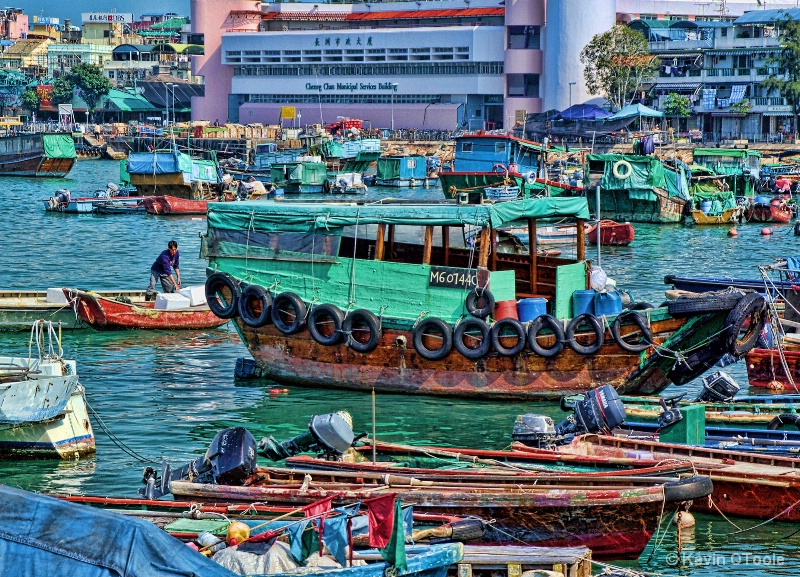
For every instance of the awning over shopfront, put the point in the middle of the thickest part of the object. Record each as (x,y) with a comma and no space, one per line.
(127,102)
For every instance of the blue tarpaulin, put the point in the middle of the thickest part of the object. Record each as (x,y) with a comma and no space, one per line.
(584,112)
(152,162)
(45,536)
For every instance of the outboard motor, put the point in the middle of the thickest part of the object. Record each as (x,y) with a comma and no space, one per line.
(718,387)
(331,435)
(599,411)
(229,460)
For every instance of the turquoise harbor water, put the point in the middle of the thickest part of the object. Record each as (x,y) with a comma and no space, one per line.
(166,394)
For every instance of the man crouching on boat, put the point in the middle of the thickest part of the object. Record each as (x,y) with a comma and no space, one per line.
(165,269)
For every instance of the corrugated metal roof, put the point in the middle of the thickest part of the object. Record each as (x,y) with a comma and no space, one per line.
(767,16)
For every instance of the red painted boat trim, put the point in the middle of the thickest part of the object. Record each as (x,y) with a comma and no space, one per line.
(764,368)
(167,205)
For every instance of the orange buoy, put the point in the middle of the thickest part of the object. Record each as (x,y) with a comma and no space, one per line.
(732,232)
(278,391)
(766,231)
(684,519)
(775,386)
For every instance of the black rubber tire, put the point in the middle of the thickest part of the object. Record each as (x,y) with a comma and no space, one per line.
(214,287)
(326,315)
(326,187)
(472,324)
(536,326)
(595,325)
(517,327)
(360,321)
(293,307)
(688,489)
(467,530)
(254,294)
(420,334)
(704,303)
(784,419)
(752,306)
(639,321)
(474,307)
(642,306)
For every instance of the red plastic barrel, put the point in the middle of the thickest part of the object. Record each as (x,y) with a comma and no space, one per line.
(506,310)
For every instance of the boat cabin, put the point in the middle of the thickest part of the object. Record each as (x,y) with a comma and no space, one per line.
(736,164)
(490,152)
(397,259)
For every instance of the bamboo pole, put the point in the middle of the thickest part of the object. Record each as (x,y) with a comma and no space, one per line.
(379,242)
(533,251)
(426,250)
(483,258)
(446,244)
(581,234)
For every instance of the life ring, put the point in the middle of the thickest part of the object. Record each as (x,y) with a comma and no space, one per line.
(222,285)
(784,419)
(363,331)
(288,313)
(480,303)
(542,322)
(433,328)
(255,306)
(647,335)
(325,324)
(498,336)
(618,173)
(597,329)
(752,307)
(466,331)
(501,167)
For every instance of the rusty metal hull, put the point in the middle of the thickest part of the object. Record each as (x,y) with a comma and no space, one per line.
(299,360)
(169,184)
(107,314)
(173,205)
(614,523)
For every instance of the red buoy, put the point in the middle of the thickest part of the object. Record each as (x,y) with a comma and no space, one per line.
(732,232)
(766,231)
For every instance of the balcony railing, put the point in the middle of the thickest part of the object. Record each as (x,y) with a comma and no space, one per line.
(768,101)
(742,72)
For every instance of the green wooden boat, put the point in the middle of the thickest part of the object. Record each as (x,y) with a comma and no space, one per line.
(741,167)
(304,176)
(400,296)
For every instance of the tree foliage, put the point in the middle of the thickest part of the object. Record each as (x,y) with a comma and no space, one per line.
(677,105)
(787,61)
(617,63)
(91,83)
(62,91)
(29,100)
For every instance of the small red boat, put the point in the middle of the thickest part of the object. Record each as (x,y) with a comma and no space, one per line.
(103,313)
(174,205)
(776,211)
(612,233)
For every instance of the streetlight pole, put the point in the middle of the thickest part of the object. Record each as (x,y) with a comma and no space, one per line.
(571,84)
(394,87)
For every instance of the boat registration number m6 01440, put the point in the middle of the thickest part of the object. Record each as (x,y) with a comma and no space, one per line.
(443,276)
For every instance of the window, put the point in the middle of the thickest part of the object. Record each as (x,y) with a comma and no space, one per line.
(723,32)
(499,146)
(524,37)
(111,74)
(523,85)
(466,147)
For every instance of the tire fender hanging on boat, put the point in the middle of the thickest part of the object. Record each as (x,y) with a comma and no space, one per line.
(367,329)
(461,335)
(423,331)
(536,326)
(480,303)
(255,306)
(752,307)
(639,320)
(325,324)
(784,419)
(288,313)
(215,284)
(597,328)
(498,337)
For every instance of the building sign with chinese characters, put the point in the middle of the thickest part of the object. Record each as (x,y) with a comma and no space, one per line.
(106,18)
(340,41)
(350,86)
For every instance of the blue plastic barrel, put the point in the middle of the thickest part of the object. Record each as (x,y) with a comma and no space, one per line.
(583,302)
(762,199)
(529,309)
(705,206)
(607,303)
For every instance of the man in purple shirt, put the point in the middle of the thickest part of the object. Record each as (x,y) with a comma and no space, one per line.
(166,269)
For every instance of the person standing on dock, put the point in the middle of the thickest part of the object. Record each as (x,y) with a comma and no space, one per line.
(167,270)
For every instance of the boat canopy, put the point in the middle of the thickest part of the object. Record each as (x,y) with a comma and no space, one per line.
(647,172)
(47,536)
(59,146)
(167,162)
(307,217)
(727,152)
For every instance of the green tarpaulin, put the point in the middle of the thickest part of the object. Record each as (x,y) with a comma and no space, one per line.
(646,172)
(305,217)
(388,168)
(729,152)
(59,146)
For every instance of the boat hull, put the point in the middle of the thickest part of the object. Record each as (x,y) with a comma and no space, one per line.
(771,213)
(166,184)
(728,216)
(612,233)
(35,165)
(168,205)
(664,210)
(106,314)
(613,523)
(66,436)
(299,360)
(765,368)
